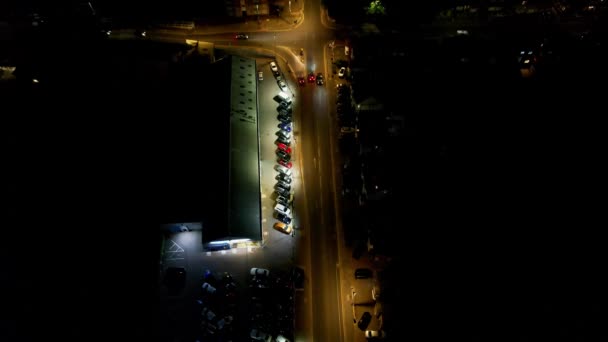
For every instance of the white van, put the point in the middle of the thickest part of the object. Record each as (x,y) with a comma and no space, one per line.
(282,169)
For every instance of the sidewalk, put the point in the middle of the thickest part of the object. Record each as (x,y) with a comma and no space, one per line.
(285,22)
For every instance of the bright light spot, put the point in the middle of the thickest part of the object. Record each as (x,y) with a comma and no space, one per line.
(223,252)
(208,253)
(265,233)
(234,251)
(35,81)
(263,220)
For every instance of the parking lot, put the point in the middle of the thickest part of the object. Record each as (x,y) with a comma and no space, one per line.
(211,313)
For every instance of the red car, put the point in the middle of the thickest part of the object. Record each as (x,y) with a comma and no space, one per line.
(301,81)
(311,77)
(284,163)
(284,147)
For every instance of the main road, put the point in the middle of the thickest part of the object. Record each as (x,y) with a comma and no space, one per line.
(315,134)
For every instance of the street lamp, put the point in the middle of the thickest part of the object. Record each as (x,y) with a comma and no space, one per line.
(353,294)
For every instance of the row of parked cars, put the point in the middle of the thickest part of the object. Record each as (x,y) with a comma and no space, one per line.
(283,185)
(271,306)
(216,306)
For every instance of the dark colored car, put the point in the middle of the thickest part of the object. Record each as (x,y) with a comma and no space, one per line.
(283,155)
(284,105)
(363,273)
(283,218)
(364,321)
(283,140)
(320,79)
(284,178)
(284,118)
(301,81)
(241,36)
(285,111)
(285,126)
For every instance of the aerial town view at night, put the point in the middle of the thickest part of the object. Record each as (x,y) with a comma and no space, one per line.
(318,170)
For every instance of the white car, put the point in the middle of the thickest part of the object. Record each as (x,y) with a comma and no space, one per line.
(342,72)
(282,338)
(274,67)
(378,334)
(282,209)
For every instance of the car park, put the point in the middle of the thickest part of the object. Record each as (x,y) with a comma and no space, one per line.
(282,227)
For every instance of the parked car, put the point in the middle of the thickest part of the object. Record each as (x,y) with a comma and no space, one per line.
(284,218)
(241,36)
(364,321)
(284,147)
(287,111)
(281,133)
(280,208)
(283,140)
(282,85)
(284,185)
(375,334)
(280,190)
(274,67)
(284,105)
(342,72)
(287,200)
(283,155)
(284,118)
(282,227)
(283,178)
(259,335)
(287,164)
(285,126)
